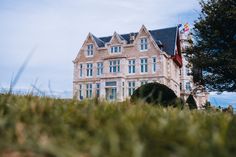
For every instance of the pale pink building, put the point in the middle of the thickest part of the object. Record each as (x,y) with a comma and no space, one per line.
(187,86)
(113,67)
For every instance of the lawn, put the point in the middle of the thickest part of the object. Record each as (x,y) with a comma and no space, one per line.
(44,127)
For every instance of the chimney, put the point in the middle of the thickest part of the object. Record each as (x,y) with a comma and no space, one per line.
(131,37)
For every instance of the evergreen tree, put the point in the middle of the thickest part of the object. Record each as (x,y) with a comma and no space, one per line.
(214,46)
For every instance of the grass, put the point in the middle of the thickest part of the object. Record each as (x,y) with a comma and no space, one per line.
(44,127)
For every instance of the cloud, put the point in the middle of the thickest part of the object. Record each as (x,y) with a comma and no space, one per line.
(59,27)
(223,99)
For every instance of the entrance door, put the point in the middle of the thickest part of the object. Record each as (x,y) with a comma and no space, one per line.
(111,94)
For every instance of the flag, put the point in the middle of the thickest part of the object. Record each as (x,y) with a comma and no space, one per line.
(186,27)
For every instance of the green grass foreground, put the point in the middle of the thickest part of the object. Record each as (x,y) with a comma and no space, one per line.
(44,127)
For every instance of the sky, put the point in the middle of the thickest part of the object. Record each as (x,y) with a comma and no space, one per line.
(56,29)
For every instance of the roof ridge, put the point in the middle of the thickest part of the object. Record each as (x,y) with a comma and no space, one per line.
(97,38)
(163,28)
(137,32)
(164,36)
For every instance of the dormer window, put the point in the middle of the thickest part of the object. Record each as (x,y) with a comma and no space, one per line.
(115,49)
(90,50)
(143,44)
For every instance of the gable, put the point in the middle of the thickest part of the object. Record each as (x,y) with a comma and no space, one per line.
(165,38)
(89,40)
(116,39)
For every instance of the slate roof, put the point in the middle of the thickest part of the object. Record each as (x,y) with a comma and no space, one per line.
(99,42)
(165,38)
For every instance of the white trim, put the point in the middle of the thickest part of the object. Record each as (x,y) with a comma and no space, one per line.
(117,36)
(143,44)
(152,63)
(86,76)
(149,37)
(115,45)
(132,65)
(97,68)
(141,64)
(86,50)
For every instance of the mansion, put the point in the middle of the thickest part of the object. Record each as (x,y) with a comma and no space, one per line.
(113,67)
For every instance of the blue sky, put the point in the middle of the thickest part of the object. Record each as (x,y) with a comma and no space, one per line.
(57,29)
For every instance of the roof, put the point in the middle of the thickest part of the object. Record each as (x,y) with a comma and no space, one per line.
(99,42)
(165,38)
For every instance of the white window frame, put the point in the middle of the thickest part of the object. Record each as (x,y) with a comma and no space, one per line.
(114,66)
(131,66)
(80,91)
(81,70)
(90,50)
(115,49)
(99,68)
(144,65)
(98,89)
(143,44)
(188,86)
(131,87)
(154,64)
(187,71)
(89,69)
(89,90)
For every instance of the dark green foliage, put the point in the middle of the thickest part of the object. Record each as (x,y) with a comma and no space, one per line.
(214,46)
(229,109)
(207,106)
(191,102)
(154,93)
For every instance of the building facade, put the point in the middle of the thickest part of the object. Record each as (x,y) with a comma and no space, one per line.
(187,86)
(113,67)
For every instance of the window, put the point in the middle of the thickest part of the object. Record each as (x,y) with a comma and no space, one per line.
(114,66)
(90,50)
(98,90)
(143,44)
(99,68)
(89,69)
(80,92)
(123,89)
(188,72)
(89,90)
(144,65)
(115,49)
(188,86)
(81,70)
(132,66)
(113,83)
(144,82)
(154,64)
(131,87)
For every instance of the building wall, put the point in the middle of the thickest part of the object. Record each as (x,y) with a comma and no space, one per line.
(199,93)
(167,72)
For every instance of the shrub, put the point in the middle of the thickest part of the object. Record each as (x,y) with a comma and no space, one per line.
(191,102)
(155,93)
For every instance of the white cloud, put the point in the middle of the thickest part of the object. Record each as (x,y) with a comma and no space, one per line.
(223,99)
(59,27)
